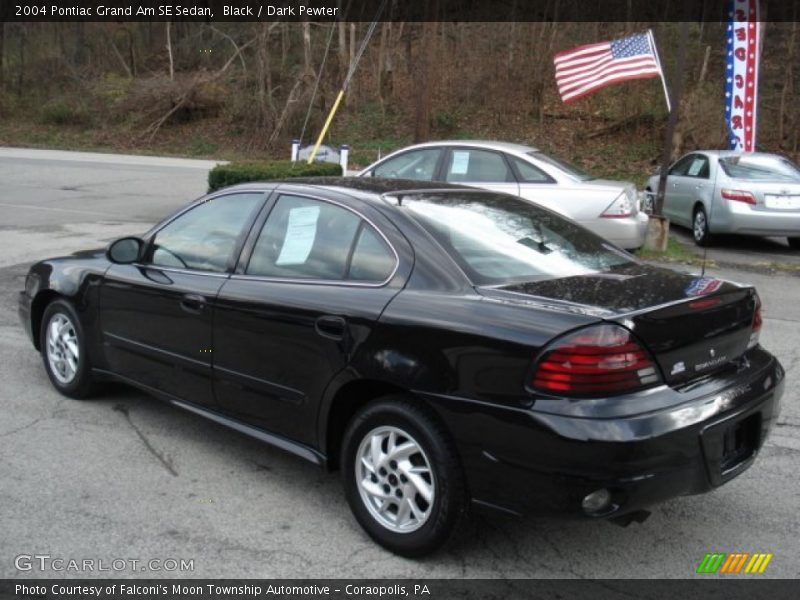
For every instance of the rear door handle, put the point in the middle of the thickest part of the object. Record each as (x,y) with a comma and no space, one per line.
(193,303)
(331,327)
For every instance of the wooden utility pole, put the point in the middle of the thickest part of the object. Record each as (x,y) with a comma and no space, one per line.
(675,102)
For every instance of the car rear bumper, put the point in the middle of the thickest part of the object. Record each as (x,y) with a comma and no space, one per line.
(531,461)
(628,233)
(740,218)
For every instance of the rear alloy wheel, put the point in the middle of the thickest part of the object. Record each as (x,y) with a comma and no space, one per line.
(64,350)
(794,243)
(702,237)
(402,476)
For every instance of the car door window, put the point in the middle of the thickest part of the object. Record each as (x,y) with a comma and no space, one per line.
(312,239)
(477,166)
(680,167)
(529,173)
(204,238)
(698,167)
(417,164)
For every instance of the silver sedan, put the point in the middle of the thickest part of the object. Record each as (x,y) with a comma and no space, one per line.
(608,208)
(721,191)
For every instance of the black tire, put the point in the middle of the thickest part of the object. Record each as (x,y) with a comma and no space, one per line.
(700,231)
(794,243)
(80,385)
(449,503)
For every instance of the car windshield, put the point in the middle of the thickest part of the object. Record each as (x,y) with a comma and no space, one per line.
(773,168)
(497,239)
(562,165)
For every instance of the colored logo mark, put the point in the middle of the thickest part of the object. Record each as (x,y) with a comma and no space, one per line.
(734,563)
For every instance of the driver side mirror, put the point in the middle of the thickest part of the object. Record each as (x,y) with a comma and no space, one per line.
(125,251)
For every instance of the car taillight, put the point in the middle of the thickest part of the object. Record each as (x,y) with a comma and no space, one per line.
(758,321)
(738,196)
(620,208)
(597,361)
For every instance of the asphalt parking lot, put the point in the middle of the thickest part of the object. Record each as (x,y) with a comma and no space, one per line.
(124,476)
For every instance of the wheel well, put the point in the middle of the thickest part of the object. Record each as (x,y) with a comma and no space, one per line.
(697,205)
(38,307)
(349,399)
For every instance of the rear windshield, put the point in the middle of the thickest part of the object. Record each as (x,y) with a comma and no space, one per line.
(760,169)
(498,239)
(568,168)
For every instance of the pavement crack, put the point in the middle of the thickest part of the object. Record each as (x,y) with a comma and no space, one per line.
(145,440)
(23,428)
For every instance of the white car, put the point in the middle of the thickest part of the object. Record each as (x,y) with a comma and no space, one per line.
(608,208)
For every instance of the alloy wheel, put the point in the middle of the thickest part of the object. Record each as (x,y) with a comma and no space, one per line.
(700,225)
(63,351)
(395,479)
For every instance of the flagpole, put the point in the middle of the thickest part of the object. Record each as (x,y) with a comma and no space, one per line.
(660,70)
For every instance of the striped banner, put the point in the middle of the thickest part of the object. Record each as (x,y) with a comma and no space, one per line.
(734,563)
(741,74)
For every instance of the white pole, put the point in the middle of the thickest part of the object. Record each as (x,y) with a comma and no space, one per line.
(295,149)
(344,152)
(660,69)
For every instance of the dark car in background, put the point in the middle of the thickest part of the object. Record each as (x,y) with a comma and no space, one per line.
(442,347)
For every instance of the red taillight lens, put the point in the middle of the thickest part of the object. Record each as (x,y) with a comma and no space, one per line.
(597,361)
(738,196)
(758,321)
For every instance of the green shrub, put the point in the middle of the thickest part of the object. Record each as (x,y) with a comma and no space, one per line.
(58,112)
(242,172)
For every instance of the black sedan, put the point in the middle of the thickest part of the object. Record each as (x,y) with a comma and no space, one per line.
(444,348)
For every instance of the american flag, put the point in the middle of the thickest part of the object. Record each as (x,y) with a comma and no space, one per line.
(586,69)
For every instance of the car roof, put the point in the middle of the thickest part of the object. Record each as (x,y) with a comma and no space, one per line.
(370,189)
(725,153)
(490,144)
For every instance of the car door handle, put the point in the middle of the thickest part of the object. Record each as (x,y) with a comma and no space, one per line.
(193,303)
(331,327)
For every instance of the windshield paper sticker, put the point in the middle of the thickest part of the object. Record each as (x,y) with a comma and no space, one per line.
(460,163)
(697,164)
(301,230)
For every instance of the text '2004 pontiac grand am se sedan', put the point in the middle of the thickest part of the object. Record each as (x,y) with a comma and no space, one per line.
(443,347)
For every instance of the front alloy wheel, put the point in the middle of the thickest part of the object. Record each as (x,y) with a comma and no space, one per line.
(402,476)
(63,348)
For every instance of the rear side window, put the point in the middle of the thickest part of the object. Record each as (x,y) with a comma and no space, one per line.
(310,239)
(477,166)
(529,173)
(372,259)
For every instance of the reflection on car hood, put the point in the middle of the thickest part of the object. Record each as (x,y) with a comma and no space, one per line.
(623,290)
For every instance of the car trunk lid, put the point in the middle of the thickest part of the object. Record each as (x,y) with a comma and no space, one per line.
(691,325)
(774,196)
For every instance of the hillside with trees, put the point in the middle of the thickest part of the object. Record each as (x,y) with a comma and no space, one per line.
(232,90)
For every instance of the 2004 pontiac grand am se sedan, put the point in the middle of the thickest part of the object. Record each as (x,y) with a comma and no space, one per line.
(443,347)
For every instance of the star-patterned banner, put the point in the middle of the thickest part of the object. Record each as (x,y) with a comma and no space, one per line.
(741,74)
